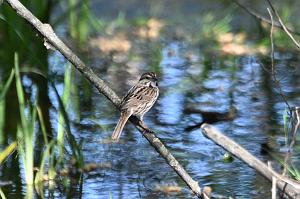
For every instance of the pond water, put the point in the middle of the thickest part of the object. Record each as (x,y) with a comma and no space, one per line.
(193,82)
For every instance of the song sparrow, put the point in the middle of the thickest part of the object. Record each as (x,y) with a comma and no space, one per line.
(139,99)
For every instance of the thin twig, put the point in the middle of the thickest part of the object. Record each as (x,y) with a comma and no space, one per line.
(273,69)
(283,26)
(47,32)
(272,44)
(273,72)
(262,18)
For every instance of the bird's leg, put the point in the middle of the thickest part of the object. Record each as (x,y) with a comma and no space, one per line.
(142,123)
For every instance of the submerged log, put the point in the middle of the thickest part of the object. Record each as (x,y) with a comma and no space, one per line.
(288,186)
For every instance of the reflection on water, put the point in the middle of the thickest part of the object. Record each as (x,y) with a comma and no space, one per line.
(137,169)
(191,82)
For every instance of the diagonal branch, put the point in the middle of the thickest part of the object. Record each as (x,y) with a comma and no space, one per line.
(286,185)
(47,32)
(286,30)
(262,18)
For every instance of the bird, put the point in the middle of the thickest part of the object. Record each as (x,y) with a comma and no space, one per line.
(138,101)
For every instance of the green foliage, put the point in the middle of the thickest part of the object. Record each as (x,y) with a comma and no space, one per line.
(5,88)
(30,115)
(73,19)
(155,55)
(281,39)
(64,123)
(48,154)
(42,124)
(294,172)
(140,21)
(15,33)
(7,151)
(212,28)
(64,102)
(3,92)
(120,21)
(25,129)
(81,21)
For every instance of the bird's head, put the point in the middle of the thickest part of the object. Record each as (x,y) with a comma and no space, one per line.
(150,76)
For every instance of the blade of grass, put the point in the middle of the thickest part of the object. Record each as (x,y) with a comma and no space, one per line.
(8,151)
(29,145)
(294,172)
(2,120)
(72,18)
(29,191)
(51,166)
(20,94)
(2,194)
(3,93)
(26,129)
(7,85)
(61,116)
(82,24)
(42,123)
(39,178)
(76,149)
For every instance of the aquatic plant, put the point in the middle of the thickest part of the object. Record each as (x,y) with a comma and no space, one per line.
(3,93)
(64,123)
(25,130)
(7,151)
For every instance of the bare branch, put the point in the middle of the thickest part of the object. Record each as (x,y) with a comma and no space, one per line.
(273,69)
(286,185)
(46,31)
(283,26)
(262,18)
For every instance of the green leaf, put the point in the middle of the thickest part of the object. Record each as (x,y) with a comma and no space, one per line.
(7,85)
(7,151)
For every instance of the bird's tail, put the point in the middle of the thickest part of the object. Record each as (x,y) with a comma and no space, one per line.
(121,123)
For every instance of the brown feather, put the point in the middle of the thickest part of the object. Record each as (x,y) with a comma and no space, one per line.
(139,99)
(121,123)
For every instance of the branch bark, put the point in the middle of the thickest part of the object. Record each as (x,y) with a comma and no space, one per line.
(47,32)
(262,18)
(286,185)
(286,30)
